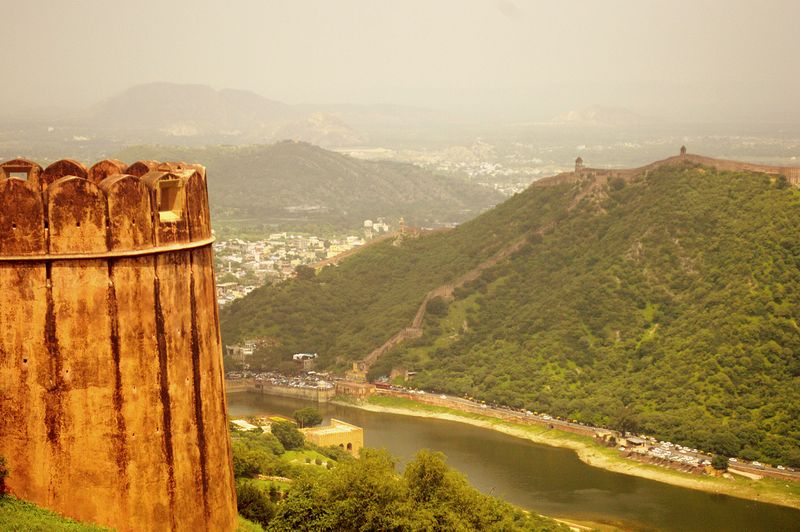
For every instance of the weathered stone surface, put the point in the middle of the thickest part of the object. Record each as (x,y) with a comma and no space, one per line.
(59,169)
(168,229)
(111,383)
(21,219)
(21,168)
(140,168)
(76,214)
(129,214)
(105,168)
(25,377)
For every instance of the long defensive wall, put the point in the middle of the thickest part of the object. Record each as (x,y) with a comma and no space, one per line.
(112,406)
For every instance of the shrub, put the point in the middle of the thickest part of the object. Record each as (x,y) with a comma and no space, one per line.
(3,475)
(254,504)
(719,462)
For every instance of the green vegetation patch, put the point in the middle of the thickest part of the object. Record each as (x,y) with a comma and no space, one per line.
(17,515)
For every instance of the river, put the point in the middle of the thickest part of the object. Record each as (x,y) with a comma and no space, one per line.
(548,480)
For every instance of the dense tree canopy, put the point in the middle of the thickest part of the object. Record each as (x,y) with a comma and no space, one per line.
(365,494)
(368,494)
(287,434)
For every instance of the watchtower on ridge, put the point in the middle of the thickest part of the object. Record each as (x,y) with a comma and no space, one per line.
(111,378)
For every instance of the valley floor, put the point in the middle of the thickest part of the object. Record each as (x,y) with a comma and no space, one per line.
(784,493)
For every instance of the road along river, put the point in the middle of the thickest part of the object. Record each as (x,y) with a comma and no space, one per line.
(548,480)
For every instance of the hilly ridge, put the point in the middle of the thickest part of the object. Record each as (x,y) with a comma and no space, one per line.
(664,304)
(296,183)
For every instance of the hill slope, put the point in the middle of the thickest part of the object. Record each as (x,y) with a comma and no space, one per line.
(665,303)
(294,182)
(200,115)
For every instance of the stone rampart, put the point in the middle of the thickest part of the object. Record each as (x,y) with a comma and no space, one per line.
(792,173)
(111,378)
(319,395)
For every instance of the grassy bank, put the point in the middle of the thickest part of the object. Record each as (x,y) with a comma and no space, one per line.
(764,490)
(19,515)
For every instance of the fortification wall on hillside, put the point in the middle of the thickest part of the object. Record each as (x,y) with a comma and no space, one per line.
(792,173)
(111,379)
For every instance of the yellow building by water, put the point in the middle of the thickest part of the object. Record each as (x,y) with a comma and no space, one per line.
(338,433)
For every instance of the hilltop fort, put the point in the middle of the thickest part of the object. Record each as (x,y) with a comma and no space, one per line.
(111,378)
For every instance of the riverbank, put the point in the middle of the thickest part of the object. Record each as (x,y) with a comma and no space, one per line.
(765,490)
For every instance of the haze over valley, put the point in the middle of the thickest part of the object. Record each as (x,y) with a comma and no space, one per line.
(356,265)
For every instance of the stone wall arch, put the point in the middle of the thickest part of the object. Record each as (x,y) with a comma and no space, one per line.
(21,219)
(130,217)
(140,168)
(59,169)
(105,168)
(76,216)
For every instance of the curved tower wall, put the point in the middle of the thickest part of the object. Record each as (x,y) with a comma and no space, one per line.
(111,379)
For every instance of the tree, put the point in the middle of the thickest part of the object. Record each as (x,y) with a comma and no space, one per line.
(254,504)
(288,435)
(436,307)
(307,417)
(425,475)
(719,462)
(305,273)
(626,420)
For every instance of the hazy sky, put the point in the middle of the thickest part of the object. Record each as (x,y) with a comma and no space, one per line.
(670,58)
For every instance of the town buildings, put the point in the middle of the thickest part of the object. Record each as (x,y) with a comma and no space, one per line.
(244,265)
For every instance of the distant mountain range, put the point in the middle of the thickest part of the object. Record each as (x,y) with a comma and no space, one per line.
(297,183)
(197,115)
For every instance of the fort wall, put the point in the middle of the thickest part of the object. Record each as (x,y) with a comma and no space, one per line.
(111,379)
(319,395)
(792,173)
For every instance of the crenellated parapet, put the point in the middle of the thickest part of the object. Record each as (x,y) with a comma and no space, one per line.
(110,209)
(112,401)
(600,175)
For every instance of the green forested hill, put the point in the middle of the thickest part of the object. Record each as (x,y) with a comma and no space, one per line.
(348,310)
(295,183)
(667,303)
